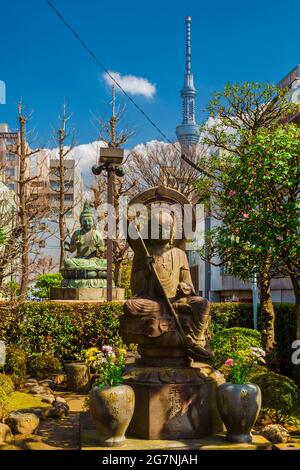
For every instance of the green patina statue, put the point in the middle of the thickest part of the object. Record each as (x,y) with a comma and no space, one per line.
(87,268)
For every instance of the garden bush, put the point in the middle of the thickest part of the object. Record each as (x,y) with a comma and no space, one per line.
(16,364)
(280,396)
(43,365)
(6,389)
(43,284)
(229,315)
(65,329)
(232,340)
(60,328)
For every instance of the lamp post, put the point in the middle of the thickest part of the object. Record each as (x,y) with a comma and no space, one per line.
(110,161)
(255,301)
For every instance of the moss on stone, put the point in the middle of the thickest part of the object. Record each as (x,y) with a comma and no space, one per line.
(23,401)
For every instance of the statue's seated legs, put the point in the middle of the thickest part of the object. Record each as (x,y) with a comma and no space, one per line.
(148,323)
(80,272)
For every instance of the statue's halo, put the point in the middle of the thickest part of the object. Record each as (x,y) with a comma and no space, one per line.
(164,196)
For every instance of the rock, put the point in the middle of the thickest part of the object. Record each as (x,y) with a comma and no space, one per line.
(5,433)
(30,384)
(58,410)
(33,381)
(23,423)
(45,412)
(275,433)
(48,399)
(59,379)
(38,411)
(60,400)
(40,390)
(47,383)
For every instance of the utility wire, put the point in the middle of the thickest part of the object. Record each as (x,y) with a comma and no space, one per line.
(92,54)
(95,58)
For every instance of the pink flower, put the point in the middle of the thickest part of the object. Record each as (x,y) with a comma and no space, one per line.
(232,193)
(229,362)
(245,215)
(107,349)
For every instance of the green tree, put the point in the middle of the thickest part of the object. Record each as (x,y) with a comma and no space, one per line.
(2,237)
(239,113)
(44,282)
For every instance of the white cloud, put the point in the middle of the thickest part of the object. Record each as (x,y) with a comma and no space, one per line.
(131,84)
(86,155)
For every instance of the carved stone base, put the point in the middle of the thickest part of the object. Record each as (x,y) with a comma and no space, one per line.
(85,294)
(174,402)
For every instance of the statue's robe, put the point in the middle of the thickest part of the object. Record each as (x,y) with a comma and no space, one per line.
(154,318)
(86,245)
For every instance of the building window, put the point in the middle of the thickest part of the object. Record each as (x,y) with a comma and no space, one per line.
(54,185)
(69,198)
(11,186)
(10,157)
(10,172)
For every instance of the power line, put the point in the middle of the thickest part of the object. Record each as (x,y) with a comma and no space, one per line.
(92,54)
(95,58)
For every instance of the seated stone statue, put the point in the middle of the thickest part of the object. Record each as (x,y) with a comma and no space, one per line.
(147,319)
(86,269)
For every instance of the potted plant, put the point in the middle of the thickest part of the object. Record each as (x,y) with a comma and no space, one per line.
(111,402)
(239,402)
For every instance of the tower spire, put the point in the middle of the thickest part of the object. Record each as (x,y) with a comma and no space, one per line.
(188,45)
(188,133)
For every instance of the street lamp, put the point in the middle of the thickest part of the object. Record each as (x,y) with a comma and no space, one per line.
(255,300)
(111,159)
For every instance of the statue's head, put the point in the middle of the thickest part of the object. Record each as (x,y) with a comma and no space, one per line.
(161,227)
(87,220)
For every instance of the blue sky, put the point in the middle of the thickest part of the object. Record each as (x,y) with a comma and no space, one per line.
(43,63)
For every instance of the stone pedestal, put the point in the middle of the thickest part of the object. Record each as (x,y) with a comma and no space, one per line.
(78,377)
(85,294)
(174,402)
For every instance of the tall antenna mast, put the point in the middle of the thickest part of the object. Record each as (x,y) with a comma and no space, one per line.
(188,132)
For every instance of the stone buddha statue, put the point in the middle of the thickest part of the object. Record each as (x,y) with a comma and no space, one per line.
(175,387)
(87,268)
(147,319)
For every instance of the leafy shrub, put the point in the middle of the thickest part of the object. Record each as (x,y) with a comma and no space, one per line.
(6,389)
(43,365)
(11,290)
(230,341)
(125,279)
(280,396)
(229,315)
(16,364)
(43,284)
(66,329)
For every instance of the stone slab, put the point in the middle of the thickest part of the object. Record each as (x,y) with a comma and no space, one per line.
(90,440)
(85,294)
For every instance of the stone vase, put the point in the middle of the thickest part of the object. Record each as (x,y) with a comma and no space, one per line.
(239,406)
(78,377)
(111,409)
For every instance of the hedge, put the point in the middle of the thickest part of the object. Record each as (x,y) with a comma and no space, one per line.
(66,328)
(60,328)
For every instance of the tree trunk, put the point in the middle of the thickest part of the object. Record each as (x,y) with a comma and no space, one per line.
(61,218)
(267,310)
(23,214)
(117,273)
(296,286)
